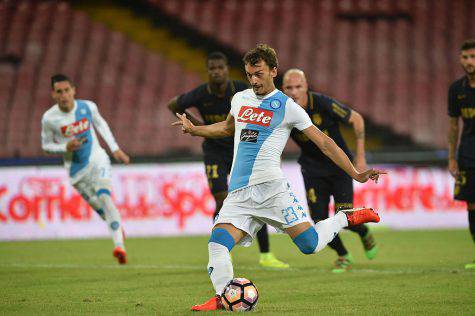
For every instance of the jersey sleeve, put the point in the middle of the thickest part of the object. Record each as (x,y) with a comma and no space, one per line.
(335,109)
(102,127)
(47,139)
(189,99)
(453,108)
(296,116)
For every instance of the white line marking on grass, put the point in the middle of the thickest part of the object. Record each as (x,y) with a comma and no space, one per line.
(203,268)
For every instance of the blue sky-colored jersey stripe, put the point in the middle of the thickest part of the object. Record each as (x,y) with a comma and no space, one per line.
(80,157)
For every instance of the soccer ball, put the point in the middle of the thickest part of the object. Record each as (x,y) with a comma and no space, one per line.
(240,295)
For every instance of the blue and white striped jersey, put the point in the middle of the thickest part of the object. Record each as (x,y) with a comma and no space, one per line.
(262,128)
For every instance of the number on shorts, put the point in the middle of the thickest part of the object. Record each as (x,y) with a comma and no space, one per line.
(290,215)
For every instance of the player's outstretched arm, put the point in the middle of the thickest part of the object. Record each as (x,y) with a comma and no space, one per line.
(173,107)
(338,156)
(217,130)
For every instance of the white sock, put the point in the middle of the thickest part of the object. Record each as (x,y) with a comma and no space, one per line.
(220,267)
(329,228)
(113,220)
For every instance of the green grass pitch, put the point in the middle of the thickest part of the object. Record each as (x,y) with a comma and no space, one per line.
(416,272)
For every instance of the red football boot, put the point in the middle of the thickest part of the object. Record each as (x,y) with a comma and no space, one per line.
(357,216)
(120,254)
(213,304)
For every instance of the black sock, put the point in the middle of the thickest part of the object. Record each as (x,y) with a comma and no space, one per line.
(337,245)
(361,230)
(263,239)
(471,223)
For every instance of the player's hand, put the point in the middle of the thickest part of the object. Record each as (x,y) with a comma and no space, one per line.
(453,168)
(185,123)
(119,155)
(360,163)
(372,174)
(75,144)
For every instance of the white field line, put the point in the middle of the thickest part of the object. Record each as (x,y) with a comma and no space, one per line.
(203,268)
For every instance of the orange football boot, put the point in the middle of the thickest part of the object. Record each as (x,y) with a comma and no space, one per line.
(120,254)
(212,304)
(357,216)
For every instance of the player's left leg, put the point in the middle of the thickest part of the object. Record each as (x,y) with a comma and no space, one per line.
(312,239)
(286,213)
(89,195)
(342,191)
(471,224)
(102,184)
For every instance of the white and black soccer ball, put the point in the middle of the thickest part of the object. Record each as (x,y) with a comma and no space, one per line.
(240,295)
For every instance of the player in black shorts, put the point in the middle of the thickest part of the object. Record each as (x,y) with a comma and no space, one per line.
(321,176)
(213,101)
(462,104)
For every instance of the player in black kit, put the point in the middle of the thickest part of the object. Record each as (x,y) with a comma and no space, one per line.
(462,104)
(213,101)
(322,177)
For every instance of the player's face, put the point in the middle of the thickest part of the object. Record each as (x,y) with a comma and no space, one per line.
(295,86)
(63,93)
(218,71)
(467,59)
(261,77)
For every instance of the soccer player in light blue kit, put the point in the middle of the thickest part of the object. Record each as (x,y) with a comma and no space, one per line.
(68,128)
(261,120)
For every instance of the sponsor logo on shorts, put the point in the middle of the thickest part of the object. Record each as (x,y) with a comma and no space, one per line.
(249,135)
(75,128)
(257,116)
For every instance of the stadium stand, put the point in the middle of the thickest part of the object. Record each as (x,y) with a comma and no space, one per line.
(392,60)
(129,83)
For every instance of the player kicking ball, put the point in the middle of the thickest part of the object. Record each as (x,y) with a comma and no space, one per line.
(261,119)
(68,129)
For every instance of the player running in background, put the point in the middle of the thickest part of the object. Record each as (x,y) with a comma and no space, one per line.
(462,104)
(321,176)
(68,128)
(213,101)
(261,119)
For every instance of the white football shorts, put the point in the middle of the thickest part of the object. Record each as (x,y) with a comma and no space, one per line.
(96,176)
(271,202)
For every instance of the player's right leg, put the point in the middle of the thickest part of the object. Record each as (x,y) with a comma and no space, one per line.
(89,195)
(465,191)
(318,191)
(220,268)
(342,190)
(471,224)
